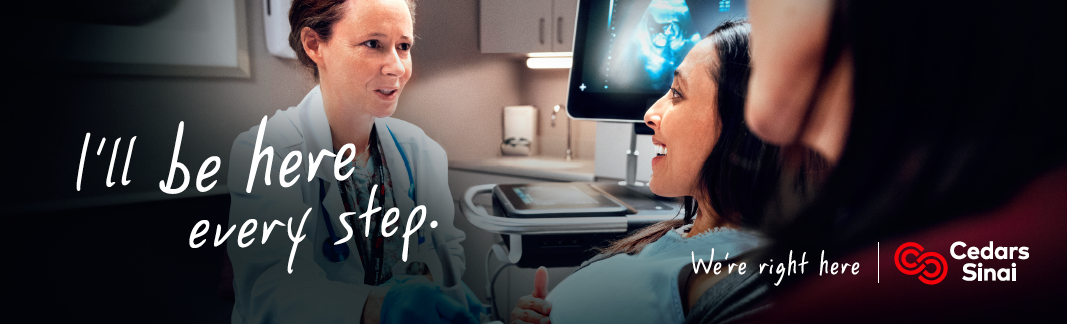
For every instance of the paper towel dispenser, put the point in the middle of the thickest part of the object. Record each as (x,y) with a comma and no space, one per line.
(276,26)
(520,127)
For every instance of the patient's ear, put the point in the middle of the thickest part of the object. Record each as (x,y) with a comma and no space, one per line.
(541,283)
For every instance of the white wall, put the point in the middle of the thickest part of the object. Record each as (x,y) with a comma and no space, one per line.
(58,108)
(456,94)
(545,88)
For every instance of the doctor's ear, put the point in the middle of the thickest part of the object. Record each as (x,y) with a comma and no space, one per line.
(312,42)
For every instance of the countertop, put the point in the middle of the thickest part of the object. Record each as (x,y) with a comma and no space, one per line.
(539,167)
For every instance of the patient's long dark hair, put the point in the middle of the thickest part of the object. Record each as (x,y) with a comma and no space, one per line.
(741,170)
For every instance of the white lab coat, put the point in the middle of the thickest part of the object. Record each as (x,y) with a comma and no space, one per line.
(320,291)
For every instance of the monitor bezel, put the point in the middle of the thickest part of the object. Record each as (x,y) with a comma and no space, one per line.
(629,107)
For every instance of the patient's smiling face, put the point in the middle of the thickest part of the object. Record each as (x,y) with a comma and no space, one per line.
(686,124)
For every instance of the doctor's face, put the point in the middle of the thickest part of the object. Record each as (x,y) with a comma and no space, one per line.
(686,122)
(367,60)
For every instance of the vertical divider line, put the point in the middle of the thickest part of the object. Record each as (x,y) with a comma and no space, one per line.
(879,262)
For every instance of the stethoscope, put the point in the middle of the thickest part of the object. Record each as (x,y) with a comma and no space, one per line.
(340,252)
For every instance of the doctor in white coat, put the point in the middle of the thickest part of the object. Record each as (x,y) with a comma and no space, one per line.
(360,52)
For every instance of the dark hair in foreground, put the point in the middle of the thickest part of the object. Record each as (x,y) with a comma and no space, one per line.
(952,116)
(955,109)
(741,170)
(320,16)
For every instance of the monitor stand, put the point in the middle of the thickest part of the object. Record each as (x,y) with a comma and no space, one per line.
(635,193)
(631,162)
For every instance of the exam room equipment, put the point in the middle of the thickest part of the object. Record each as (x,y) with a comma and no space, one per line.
(620,49)
(624,54)
(551,241)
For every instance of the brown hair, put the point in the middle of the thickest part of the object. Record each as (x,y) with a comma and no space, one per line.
(742,171)
(320,16)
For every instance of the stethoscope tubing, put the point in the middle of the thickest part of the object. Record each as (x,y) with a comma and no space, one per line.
(333,252)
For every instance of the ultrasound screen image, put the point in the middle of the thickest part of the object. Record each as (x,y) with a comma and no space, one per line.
(633,46)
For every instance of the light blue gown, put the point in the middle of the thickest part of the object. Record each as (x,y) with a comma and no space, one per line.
(641,288)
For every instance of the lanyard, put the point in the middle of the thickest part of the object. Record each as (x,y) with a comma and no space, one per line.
(372,256)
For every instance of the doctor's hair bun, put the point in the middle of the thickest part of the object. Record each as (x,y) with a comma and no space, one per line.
(320,16)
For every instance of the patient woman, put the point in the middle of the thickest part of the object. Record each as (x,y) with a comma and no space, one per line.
(705,154)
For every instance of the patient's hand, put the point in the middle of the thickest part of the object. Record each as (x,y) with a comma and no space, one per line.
(533,309)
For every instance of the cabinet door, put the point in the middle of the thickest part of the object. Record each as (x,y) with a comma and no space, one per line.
(564,13)
(516,26)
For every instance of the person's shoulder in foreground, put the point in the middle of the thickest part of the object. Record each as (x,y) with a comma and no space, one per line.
(1021,287)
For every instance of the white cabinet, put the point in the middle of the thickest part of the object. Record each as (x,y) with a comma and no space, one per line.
(526,26)
(565,12)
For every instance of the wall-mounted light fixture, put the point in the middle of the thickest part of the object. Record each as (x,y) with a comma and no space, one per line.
(549,60)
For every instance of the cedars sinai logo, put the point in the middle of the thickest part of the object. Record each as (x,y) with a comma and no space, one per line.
(911,260)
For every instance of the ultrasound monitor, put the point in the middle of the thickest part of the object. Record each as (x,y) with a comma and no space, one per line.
(625,52)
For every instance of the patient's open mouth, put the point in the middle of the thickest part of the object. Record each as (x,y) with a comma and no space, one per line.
(386,91)
(661,150)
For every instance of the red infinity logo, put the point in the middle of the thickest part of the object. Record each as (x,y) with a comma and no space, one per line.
(931,265)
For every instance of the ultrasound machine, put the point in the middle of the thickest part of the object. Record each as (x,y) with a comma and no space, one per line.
(624,56)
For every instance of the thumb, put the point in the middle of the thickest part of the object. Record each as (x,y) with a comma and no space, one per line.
(541,283)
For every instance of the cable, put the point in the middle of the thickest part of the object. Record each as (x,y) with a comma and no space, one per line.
(492,285)
(488,293)
(488,284)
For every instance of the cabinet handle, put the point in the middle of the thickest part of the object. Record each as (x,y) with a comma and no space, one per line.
(542,31)
(559,29)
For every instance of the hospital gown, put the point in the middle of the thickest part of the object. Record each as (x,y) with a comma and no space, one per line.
(641,288)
